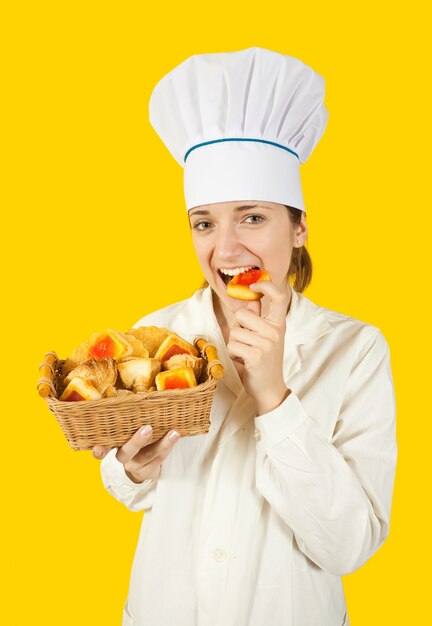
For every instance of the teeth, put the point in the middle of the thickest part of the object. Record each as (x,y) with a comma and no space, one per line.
(237,270)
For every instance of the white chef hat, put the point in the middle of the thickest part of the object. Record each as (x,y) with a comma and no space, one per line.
(240,123)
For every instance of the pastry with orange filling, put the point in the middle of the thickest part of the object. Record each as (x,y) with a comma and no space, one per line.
(109,343)
(172,345)
(80,389)
(177,378)
(238,286)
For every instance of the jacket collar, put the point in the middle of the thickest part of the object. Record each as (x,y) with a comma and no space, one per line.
(306,322)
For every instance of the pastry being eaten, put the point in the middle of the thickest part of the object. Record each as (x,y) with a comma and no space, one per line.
(238,286)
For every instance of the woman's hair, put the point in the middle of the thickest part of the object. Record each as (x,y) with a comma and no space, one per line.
(300,269)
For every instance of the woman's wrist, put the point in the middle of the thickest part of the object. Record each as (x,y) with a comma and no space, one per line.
(269,402)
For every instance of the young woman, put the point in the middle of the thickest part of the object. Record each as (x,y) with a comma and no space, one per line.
(255,522)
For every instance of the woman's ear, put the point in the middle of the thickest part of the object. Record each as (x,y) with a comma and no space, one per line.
(301,232)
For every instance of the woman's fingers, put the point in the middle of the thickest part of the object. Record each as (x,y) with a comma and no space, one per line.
(250,321)
(279,300)
(100,452)
(147,462)
(140,439)
(140,458)
(159,449)
(254,306)
(251,336)
(149,471)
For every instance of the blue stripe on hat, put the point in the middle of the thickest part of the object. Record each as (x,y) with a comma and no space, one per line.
(272,143)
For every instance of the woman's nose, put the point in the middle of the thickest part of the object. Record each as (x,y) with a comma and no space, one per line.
(228,244)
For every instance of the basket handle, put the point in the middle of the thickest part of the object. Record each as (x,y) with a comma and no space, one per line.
(210,352)
(45,385)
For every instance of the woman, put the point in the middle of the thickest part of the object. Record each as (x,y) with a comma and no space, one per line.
(256,521)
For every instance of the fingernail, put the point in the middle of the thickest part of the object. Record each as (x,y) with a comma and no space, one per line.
(174,435)
(97,452)
(146,430)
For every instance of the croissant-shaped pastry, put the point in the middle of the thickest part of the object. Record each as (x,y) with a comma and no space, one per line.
(139,373)
(185,360)
(150,336)
(102,373)
(172,345)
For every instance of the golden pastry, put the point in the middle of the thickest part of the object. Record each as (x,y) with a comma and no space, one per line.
(178,378)
(138,373)
(151,337)
(109,343)
(185,360)
(79,389)
(172,345)
(238,286)
(102,373)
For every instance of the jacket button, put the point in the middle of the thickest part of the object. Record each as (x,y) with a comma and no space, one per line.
(219,555)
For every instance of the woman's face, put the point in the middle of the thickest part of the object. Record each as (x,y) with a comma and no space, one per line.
(244,234)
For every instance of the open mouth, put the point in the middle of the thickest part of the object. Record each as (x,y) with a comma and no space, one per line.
(226,278)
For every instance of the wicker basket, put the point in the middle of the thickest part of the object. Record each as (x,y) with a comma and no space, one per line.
(112,421)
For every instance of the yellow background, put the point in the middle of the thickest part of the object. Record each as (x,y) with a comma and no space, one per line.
(95,235)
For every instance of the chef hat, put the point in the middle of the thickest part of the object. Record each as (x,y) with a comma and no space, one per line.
(240,123)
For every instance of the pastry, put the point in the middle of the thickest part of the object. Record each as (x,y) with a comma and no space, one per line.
(138,373)
(174,344)
(101,373)
(79,389)
(110,343)
(178,378)
(238,286)
(151,337)
(184,360)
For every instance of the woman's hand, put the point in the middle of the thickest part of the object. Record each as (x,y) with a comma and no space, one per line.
(259,343)
(142,460)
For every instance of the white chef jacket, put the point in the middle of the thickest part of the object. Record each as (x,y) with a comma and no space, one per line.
(254,523)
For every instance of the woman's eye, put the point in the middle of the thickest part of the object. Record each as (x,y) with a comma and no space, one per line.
(201,225)
(255,219)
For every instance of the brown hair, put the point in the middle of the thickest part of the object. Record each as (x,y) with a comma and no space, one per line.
(300,269)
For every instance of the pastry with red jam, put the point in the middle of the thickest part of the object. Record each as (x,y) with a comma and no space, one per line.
(238,286)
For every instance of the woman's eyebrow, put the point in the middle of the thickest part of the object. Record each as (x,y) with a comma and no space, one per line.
(244,207)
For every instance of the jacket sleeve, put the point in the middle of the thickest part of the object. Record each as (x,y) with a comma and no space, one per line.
(136,497)
(335,495)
